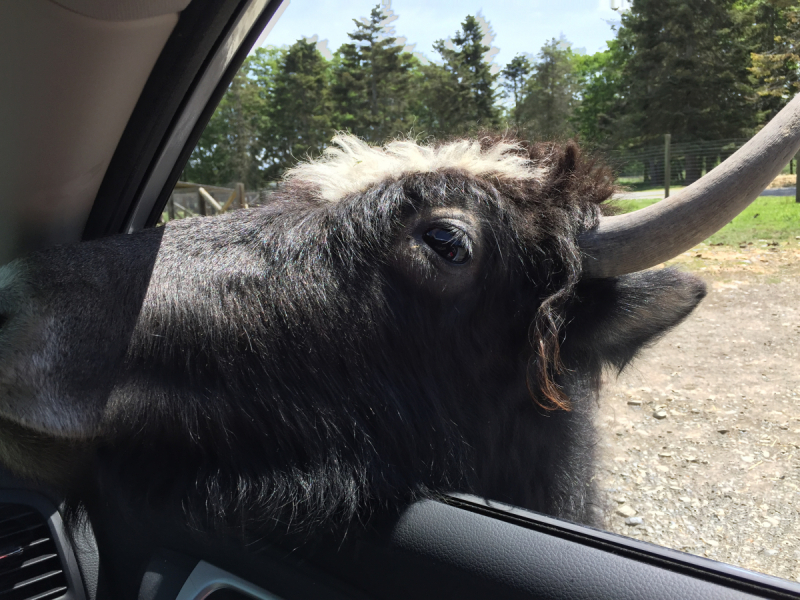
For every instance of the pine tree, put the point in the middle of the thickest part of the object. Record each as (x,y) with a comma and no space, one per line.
(373,81)
(514,75)
(460,95)
(300,113)
(551,93)
(686,74)
(773,31)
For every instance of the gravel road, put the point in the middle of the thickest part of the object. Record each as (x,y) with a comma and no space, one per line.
(700,445)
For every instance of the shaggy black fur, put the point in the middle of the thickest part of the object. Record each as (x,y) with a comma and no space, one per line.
(290,366)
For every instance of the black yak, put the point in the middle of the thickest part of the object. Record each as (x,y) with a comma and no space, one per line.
(397,322)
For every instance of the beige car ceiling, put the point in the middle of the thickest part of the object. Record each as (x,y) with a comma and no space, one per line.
(71,72)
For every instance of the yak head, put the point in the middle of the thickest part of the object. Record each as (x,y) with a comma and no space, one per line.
(396,321)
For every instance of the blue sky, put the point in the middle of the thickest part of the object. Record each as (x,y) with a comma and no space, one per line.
(519,25)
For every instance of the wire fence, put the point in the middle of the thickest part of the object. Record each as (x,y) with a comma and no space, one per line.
(688,161)
(641,167)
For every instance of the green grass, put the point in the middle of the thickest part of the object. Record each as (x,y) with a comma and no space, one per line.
(773,218)
(626,206)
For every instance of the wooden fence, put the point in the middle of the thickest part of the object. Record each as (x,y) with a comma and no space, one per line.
(190,199)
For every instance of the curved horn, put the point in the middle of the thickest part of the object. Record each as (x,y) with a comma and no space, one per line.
(647,237)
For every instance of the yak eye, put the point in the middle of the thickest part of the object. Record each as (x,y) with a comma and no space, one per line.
(450,244)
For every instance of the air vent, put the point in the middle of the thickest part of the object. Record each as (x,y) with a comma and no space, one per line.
(30,568)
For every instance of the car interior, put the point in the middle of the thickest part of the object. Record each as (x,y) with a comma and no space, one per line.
(102,104)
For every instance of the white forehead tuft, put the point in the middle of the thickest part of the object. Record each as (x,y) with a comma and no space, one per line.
(350,165)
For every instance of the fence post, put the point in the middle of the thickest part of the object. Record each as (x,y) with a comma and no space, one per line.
(209,199)
(171,207)
(201,204)
(797,179)
(667,165)
(242,198)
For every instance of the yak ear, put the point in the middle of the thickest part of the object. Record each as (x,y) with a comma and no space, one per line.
(613,319)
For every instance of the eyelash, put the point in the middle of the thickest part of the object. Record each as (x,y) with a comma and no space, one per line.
(451,243)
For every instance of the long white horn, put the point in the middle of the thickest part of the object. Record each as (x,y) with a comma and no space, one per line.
(639,240)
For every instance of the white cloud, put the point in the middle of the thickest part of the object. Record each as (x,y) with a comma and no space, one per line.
(322,45)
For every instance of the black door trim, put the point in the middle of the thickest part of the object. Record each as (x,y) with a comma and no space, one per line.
(696,567)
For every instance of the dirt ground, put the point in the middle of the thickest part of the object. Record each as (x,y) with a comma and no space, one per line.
(700,445)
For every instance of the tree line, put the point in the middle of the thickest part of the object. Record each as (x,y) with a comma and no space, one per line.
(701,70)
